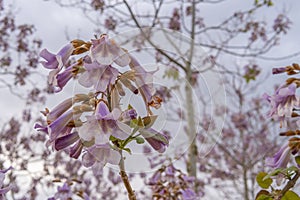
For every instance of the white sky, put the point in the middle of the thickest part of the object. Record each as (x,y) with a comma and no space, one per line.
(52,22)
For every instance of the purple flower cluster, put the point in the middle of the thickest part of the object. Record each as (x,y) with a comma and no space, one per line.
(65,192)
(95,124)
(169,182)
(285,104)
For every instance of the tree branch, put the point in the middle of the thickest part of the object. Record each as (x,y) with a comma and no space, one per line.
(123,174)
(288,186)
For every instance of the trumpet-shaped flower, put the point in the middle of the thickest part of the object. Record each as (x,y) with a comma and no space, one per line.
(283,102)
(56,62)
(280,159)
(102,125)
(105,51)
(99,76)
(157,141)
(65,141)
(59,110)
(59,125)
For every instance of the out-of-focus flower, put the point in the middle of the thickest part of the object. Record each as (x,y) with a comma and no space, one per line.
(155,178)
(98,155)
(188,194)
(99,76)
(283,102)
(280,159)
(63,193)
(105,51)
(143,80)
(174,22)
(110,23)
(3,190)
(169,182)
(239,120)
(102,125)
(281,24)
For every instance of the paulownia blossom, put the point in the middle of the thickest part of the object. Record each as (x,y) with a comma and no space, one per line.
(95,126)
(105,51)
(99,76)
(56,62)
(100,126)
(280,159)
(283,102)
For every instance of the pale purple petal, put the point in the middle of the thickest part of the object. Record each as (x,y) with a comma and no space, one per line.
(99,76)
(101,138)
(51,62)
(88,160)
(97,168)
(93,129)
(106,51)
(56,61)
(102,109)
(64,77)
(114,157)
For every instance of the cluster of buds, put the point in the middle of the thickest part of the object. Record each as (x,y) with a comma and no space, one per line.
(95,124)
(290,70)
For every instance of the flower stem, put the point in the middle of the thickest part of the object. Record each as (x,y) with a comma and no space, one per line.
(291,183)
(124,176)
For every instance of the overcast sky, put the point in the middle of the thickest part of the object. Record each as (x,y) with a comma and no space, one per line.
(52,22)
